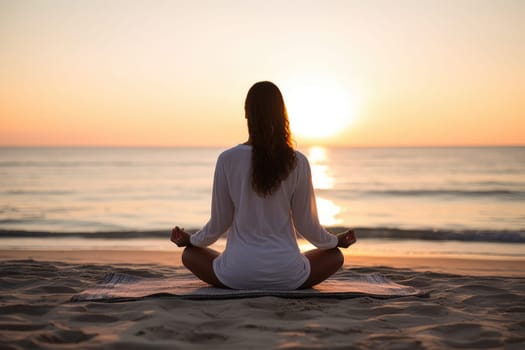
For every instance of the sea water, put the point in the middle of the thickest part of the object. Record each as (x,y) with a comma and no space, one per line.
(423,190)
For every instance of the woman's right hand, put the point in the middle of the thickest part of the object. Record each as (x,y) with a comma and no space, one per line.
(345,239)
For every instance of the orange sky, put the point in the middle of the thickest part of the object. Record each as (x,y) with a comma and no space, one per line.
(175,73)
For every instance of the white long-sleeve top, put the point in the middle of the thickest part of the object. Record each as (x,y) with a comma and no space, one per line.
(261,248)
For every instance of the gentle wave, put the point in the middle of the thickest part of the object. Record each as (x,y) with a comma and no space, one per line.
(494,193)
(447,192)
(363,233)
(37,192)
(115,164)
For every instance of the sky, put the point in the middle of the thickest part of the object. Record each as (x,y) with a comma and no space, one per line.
(176,73)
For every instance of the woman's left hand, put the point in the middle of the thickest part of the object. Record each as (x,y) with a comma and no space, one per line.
(179,237)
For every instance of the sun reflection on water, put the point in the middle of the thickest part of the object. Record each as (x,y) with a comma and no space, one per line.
(326,208)
(320,169)
(328,212)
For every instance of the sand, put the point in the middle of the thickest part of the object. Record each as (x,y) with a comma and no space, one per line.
(474,304)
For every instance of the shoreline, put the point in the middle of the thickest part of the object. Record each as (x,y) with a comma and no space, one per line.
(443,265)
(423,234)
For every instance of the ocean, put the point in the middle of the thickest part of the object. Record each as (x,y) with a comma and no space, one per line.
(467,194)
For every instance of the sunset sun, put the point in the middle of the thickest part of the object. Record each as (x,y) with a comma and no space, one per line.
(319,110)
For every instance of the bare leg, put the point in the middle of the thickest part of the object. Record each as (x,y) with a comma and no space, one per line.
(200,262)
(323,264)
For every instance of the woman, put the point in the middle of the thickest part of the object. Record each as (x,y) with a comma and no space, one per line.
(263,196)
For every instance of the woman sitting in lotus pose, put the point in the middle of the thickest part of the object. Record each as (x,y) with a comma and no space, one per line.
(263,196)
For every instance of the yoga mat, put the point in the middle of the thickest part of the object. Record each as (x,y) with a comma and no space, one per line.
(121,287)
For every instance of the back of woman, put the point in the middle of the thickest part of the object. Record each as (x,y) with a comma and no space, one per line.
(261,250)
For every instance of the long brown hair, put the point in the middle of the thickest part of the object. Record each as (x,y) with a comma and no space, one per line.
(273,157)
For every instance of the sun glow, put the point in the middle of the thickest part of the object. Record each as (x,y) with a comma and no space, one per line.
(319,109)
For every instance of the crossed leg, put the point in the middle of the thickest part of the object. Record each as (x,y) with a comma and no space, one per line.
(200,262)
(323,264)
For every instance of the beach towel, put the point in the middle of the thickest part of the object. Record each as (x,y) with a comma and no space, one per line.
(122,287)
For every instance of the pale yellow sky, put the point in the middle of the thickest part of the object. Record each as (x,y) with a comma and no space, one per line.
(175,73)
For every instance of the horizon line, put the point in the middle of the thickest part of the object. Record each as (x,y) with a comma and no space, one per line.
(295,146)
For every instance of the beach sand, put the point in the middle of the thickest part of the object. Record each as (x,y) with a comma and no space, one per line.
(474,304)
